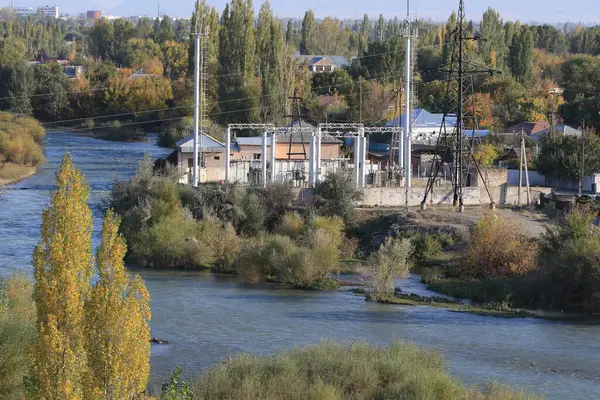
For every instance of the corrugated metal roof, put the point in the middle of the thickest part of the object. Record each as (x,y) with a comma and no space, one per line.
(423,119)
(209,144)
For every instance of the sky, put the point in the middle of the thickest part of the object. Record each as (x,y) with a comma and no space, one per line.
(587,11)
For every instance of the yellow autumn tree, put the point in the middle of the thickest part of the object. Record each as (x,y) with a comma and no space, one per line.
(117,335)
(62,266)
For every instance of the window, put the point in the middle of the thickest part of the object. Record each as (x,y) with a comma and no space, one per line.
(217,157)
(327,69)
(190,163)
(256,156)
(319,68)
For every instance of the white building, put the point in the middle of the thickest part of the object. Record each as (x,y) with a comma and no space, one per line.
(48,11)
(24,11)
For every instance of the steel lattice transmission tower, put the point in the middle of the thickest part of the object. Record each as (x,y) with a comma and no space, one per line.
(454,146)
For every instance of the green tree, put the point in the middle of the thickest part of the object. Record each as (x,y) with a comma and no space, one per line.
(521,54)
(62,269)
(309,32)
(12,51)
(562,156)
(492,46)
(270,52)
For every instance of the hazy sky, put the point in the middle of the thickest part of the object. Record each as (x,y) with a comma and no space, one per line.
(524,10)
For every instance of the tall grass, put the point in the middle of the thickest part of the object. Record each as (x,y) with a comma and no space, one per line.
(17,332)
(333,371)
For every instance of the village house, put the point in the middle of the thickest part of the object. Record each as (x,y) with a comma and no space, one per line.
(426,126)
(320,64)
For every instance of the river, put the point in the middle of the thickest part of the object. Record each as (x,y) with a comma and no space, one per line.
(208,317)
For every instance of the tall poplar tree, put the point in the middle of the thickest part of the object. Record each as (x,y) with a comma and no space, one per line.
(522,53)
(62,268)
(117,335)
(309,31)
(492,46)
(270,53)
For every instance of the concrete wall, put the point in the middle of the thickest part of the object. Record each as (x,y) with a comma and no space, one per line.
(442,195)
(535,178)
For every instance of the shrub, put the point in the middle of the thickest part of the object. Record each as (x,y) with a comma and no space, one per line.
(389,262)
(334,371)
(569,275)
(337,195)
(20,139)
(277,198)
(17,332)
(291,225)
(497,248)
(172,242)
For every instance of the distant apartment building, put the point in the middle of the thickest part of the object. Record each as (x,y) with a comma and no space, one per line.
(24,11)
(46,11)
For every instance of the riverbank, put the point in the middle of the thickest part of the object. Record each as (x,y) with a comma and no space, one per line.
(13,173)
(107,133)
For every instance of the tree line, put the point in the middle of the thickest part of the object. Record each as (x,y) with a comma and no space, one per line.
(144,69)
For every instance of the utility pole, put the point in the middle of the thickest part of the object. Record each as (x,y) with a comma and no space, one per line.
(409,34)
(200,32)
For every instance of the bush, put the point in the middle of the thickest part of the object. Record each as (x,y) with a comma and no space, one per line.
(497,248)
(17,332)
(172,242)
(21,139)
(389,262)
(334,371)
(291,225)
(569,276)
(337,195)
(275,257)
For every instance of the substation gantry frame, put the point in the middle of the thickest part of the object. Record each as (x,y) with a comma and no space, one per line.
(356,131)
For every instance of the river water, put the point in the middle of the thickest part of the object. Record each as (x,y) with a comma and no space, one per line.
(208,317)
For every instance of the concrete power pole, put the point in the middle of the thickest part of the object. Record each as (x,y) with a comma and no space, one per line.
(196,103)
(405,160)
(199,88)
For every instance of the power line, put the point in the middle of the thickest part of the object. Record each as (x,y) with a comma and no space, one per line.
(190,105)
(169,119)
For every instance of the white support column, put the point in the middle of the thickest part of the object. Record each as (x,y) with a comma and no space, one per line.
(196,107)
(273,158)
(311,161)
(407,95)
(318,168)
(408,159)
(401,139)
(357,146)
(363,160)
(263,172)
(228,155)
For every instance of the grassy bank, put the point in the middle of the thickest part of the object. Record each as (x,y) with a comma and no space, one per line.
(12,173)
(333,371)
(21,141)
